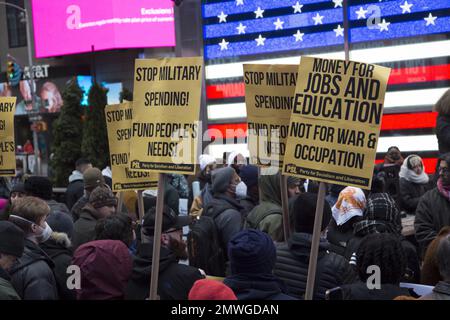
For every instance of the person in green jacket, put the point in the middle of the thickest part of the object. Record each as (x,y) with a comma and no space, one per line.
(268,215)
(11,248)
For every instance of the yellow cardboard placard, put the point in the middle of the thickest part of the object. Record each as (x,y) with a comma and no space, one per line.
(7,143)
(335,121)
(118,122)
(165,129)
(269,95)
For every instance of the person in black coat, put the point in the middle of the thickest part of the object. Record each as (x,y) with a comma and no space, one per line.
(58,248)
(75,189)
(381,263)
(414,182)
(443,122)
(252,257)
(293,258)
(175,280)
(32,275)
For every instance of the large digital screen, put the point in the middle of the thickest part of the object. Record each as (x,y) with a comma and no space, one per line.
(65,27)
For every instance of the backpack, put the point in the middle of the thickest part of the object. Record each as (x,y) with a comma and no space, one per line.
(249,224)
(203,241)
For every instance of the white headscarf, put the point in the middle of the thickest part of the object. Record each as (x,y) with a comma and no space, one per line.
(410,175)
(205,160)
(351,203)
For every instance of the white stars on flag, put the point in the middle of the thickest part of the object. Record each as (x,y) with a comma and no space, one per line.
(361,13)
(260,41)
(259,13)
(318,19)
(406,7)
(339,31)
(298,36)
(241,28)
(239,2)
(384,25)
(223,45)
(222,17)
(337,3)
(430,20)
(278,24)
(297,7)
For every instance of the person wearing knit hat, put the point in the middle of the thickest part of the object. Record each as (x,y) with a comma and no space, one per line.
(293,257)
(11,248)
(295,186)
(206,289)
(102,203)
(175,279)
(252,257)
(207,165)
(17,191)
(92,178)
(42,187)
(348,210)
(249,175)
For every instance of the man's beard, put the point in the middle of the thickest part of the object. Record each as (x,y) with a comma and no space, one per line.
(178,248)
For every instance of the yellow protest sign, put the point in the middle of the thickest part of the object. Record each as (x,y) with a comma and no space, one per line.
(7,144)
(335,121)
(166,110)
(269,95)
(118,121)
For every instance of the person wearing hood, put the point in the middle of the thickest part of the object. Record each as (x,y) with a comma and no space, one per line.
(75,189)
(17,191)
(393,160)
(206,289)
(11,248)
(92,178)
(348,210)
(224,207)
(383,216)
(207,165)
(175,280)
(96,257)
(413,183)
(236,161)
(268,215)
(433,210)
(102,204)
(32,275)
(385,251)
(249,196)
(292,262)
(252,255)
(442,107)
(58,248)
(42,187)
(116,227)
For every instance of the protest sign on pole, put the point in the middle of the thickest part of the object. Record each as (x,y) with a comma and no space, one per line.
(269,94)
(118,122)
(165,128)
(7,143)
(335,121)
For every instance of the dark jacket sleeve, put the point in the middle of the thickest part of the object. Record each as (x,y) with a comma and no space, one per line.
(443,130)
(344,271)
(36,282)
(423,223)
(229,223)
(408,201)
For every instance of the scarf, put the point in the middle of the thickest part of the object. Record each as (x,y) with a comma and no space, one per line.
(411,176)
(444,190)
(351,203)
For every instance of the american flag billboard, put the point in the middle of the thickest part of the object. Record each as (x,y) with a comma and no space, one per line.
(411,37)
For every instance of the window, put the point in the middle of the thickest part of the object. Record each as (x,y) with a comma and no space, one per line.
(17,29)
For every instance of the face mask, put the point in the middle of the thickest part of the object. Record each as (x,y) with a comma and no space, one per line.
(241,190)
(46,233)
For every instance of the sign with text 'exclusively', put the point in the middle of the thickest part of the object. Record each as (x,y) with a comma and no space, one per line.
(118,120)
(7,144)
(166,111)
(269,95)
(335,121)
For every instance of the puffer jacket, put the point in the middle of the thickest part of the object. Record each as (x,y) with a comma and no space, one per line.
(32,276)
(432,214)
(293,261)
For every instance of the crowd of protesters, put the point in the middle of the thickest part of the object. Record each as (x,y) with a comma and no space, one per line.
(45,244)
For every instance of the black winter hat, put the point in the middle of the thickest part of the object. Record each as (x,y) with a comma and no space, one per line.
(61,222)
(305,213)
(40,187)
(11,239)
(221,179)
(170,221)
